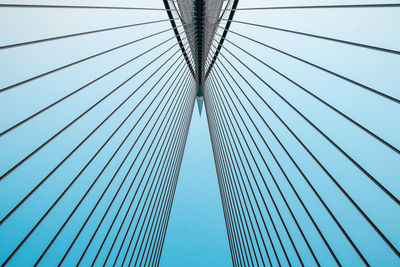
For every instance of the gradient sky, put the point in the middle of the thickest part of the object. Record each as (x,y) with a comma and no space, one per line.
(197,235)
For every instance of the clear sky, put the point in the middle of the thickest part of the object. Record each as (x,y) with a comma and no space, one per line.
(197,235)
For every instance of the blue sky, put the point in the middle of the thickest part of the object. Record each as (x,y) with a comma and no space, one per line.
(197,224)
(197,235)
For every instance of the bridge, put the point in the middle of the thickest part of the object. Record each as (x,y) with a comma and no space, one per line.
(302,104)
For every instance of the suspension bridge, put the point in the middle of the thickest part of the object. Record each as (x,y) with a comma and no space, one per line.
(302,102)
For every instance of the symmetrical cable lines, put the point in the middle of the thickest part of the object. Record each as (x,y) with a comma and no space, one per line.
(302,122)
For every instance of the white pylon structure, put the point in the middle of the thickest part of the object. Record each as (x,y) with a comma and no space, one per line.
(302,103)
(201,20)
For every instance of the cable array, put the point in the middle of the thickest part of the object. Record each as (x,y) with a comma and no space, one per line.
(307,175)
(123,192)
(274,183)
